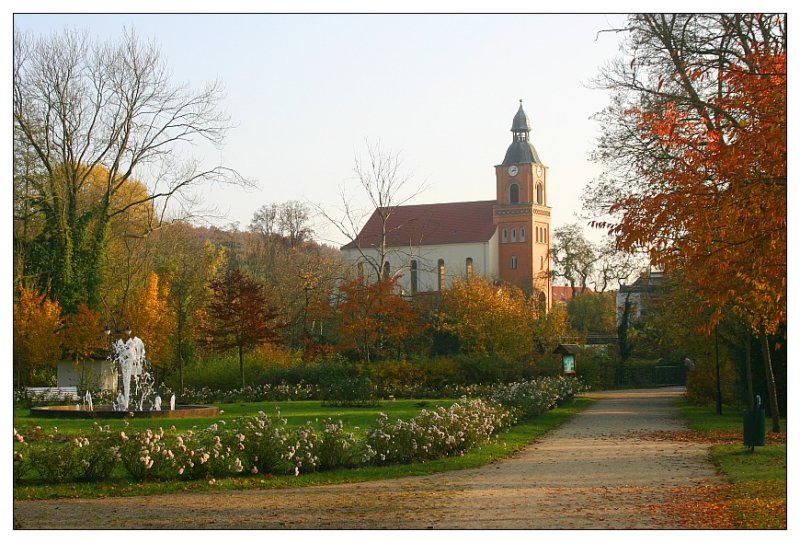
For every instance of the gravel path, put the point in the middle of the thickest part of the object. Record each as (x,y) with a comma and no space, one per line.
(604,469)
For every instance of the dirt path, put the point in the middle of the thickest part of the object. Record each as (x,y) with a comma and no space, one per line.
(603,469)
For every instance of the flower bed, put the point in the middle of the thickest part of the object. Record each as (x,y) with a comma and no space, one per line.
(266,444)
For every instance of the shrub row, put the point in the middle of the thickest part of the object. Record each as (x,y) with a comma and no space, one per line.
(529,399)
(265,444)
(395,376)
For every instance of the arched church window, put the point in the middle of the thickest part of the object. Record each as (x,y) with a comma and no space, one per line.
(469,267)
(522,234)
(386,269)
(513,193)
(441,270)
(513,262)
(505,235)
(540,194)
(414,279)
(513,234)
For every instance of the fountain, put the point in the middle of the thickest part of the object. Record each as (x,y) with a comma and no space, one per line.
(136,395)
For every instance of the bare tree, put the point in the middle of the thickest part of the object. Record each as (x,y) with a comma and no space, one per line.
(265,220)
(88,109)
(386,187)
(614,267)
(574,257)
(293,221)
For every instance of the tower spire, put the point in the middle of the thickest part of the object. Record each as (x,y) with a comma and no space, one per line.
(521,125)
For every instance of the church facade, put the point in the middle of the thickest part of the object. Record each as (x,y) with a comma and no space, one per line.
(428,246)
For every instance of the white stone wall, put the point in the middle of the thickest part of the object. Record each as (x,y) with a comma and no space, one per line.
(483,254)
(90,374)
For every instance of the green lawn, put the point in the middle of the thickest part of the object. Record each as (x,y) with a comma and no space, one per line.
(757,496)
(506,444)
(296,413)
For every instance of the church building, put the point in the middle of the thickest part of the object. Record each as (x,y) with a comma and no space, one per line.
(428,246)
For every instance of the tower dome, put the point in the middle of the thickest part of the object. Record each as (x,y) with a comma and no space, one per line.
(521,150)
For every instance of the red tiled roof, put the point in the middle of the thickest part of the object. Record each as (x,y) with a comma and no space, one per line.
(564,294)
(430,224)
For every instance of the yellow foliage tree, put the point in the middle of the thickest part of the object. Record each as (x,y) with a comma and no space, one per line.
(37,321)
(152,320)
(82,335)
(489,319)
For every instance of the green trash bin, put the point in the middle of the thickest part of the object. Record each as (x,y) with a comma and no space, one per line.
(754,427)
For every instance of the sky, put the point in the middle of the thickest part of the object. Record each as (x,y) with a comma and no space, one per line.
(308,92)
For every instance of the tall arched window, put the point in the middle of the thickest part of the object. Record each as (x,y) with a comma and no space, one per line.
(513,193)
(386,269)
(505,235)
(441,270)
(522,234)
(513,234)
(513,262)
(469,267)
(414,279)
(540,194)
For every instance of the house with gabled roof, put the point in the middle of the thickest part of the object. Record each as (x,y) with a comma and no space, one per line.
(428,246)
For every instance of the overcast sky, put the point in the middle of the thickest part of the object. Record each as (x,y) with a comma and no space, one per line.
(306,91)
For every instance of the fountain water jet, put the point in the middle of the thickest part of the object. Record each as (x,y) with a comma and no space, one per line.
(129,357)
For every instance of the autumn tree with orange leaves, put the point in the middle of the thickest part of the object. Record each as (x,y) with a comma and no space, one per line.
(83,335)
(370,318)
(152,320)
(694,149)
(37,321)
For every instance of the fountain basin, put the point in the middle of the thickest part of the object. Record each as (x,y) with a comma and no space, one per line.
(107,412)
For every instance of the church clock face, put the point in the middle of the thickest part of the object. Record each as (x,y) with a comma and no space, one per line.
(512,170)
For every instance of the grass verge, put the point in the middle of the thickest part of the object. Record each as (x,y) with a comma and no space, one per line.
(756,496)
(506,444)
(296,413)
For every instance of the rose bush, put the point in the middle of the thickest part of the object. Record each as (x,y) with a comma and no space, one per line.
(265,444)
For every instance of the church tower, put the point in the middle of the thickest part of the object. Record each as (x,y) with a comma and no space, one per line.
(522,215)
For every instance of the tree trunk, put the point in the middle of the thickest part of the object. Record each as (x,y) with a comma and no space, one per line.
(748,368)
(773,394)
(180,368)
(719,380)
(179,349)
(622,339)
(241,364)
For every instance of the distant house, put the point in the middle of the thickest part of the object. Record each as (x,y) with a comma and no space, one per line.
(637,295)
